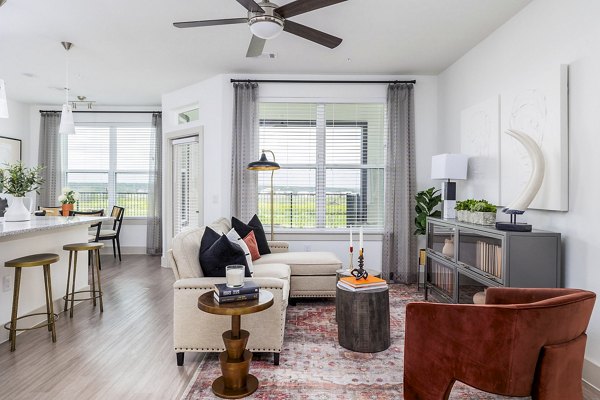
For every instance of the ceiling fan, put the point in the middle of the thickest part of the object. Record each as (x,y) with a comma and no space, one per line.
(267,20)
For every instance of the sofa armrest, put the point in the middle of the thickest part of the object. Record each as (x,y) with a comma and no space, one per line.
(171,263)
(278,246)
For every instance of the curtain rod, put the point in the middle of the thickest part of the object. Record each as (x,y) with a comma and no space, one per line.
(105,112)
(310,81)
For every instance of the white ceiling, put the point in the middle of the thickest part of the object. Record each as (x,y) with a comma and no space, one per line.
(128,52)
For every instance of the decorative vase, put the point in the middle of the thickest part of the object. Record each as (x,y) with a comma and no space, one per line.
(17,211)
(66,208)
(448,249)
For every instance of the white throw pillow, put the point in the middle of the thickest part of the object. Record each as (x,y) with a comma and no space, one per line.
(234,237)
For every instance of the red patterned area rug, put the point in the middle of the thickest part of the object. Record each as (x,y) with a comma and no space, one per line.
(314,366)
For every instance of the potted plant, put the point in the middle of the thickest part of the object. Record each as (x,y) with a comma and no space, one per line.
(17,181)
(427,201)
(67,199)
(479,212)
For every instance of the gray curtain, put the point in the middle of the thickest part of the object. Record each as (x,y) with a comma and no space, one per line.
(399,243)
(244,183)
(49,156)
(154,222)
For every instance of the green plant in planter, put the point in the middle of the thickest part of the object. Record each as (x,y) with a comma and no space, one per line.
(427,200)
(475,206)
(18,180)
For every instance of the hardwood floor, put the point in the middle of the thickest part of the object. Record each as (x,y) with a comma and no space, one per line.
(124,353)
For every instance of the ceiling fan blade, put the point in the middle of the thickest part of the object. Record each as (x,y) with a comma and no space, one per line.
(210,22)
(303,6)
(251,5)
(256,46)
(311,34)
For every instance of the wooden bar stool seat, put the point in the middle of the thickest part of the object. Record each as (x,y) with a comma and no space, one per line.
(93,249)
(35,260)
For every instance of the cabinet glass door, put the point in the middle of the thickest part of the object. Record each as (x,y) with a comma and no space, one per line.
(482,254)
(470,291)
(440,239)
(441,277)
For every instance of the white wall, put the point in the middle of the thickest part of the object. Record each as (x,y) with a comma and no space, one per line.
(17,126)
(545,34)
(214,97)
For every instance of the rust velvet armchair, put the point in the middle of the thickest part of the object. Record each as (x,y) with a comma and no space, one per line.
(522,342)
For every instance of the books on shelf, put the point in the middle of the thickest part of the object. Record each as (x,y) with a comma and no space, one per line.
(488,258)
(224,294)
(357,285)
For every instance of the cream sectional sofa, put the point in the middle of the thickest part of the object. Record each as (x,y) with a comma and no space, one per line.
(299,274)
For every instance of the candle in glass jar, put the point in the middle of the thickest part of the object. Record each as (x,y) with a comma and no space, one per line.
(234,275)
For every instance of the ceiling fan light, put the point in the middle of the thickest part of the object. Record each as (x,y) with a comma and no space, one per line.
(67,124)
(266,27)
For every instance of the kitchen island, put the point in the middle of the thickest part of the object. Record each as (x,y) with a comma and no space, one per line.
(40,235)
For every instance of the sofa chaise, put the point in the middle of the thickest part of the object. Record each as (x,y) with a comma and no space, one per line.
(285,274)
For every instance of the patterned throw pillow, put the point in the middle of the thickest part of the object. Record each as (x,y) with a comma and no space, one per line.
(235,238)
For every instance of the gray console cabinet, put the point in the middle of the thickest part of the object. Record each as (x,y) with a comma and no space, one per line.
(463,259)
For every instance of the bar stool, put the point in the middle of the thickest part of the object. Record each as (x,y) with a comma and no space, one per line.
(34,260)
(93,249)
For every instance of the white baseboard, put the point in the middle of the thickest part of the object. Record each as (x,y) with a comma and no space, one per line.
(58,305)
(591,374)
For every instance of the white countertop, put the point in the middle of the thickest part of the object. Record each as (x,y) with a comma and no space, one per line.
(45,224)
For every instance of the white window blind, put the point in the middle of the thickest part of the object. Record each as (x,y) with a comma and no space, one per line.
(109,164)
(332,164)
(186,171)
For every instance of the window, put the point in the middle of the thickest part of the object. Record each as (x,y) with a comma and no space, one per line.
(332,164)
(188,116)
(109,164)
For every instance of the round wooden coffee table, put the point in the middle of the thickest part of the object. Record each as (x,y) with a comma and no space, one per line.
(236,381)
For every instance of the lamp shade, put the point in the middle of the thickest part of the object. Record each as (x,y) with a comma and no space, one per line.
(67,125)
(263,164)
(3,101)
(449,166)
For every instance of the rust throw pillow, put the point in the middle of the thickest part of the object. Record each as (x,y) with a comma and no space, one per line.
(250,241)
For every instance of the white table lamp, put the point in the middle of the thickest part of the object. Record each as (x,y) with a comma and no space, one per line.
(449,166)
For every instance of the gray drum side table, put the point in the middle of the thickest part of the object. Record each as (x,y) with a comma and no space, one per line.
(363,319)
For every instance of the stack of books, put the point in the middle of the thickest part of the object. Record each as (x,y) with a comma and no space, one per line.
(224,294)
(357,285)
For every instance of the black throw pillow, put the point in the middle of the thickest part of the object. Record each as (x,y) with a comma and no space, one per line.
(259,232)
(217,252)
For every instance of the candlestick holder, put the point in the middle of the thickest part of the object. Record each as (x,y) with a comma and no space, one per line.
(360,272)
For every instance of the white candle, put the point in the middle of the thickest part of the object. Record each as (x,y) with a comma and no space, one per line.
(235,277)
(360,238)
(350,237)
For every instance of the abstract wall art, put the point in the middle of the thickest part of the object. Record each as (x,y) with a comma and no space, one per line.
(538,108)
(480,140)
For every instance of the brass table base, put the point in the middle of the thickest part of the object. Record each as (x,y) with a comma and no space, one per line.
(220,390)
(236,381)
